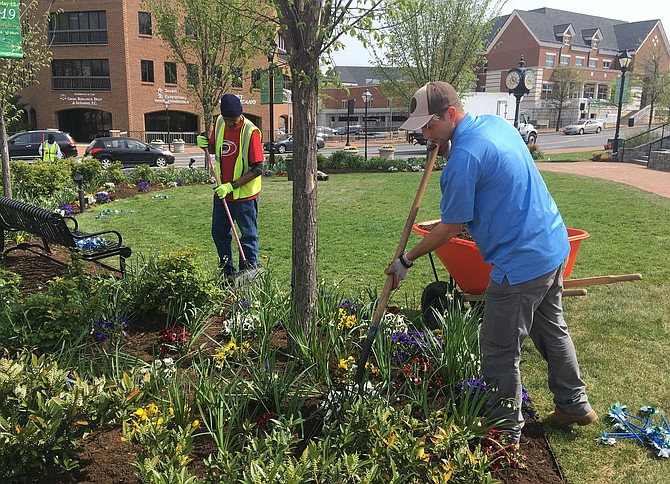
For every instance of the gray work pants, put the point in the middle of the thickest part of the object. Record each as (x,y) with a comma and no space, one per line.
(512,313)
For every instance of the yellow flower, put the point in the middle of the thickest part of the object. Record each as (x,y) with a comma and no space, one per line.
(141,413)
(196,423)
(171,411)
(152,409)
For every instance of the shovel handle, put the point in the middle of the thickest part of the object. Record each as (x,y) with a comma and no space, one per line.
(388,285)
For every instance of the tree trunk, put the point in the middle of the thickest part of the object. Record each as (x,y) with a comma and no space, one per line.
(4,154)
(304,250)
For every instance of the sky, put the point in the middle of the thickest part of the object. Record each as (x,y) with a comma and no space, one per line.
(631,11)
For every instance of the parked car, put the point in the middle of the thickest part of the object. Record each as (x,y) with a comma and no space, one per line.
(325,132)
(25,146)
(354,129)
(287,145)
(584,126)
(129,151)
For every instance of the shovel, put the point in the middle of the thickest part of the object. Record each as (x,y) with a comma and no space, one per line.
(248,274)
(388,286)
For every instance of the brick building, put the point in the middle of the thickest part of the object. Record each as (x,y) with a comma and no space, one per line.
(111,72)
(548,38)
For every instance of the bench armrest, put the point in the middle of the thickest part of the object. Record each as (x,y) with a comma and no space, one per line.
(86,235)
(74,220)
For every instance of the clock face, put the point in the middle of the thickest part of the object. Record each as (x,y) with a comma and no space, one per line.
(529,79)
(513,79)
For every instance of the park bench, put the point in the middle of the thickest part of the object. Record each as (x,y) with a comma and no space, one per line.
(56,229)
(542,124)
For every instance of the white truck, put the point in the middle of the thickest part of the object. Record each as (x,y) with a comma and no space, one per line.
(503,105)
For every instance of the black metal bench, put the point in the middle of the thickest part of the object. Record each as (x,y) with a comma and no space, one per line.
(53,228)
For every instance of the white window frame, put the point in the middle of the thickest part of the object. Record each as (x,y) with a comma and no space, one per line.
(550,60)
(579,61)
(593,63)
(607,64)
(565,58)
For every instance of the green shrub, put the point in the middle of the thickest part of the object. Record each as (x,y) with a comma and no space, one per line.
(58,317)
(172,282)
(44,410)
(142,173)
(9,288)
(535,151)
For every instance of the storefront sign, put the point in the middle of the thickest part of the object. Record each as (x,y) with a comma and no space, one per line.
(169,95)
(10,29)
(80,98)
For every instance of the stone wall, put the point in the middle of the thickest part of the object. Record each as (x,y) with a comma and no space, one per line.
(659,160)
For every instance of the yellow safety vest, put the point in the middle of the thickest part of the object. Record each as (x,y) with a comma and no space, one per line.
(242,162)
(49,151)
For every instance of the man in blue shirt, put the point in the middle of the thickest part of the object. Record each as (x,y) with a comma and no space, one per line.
(491,184)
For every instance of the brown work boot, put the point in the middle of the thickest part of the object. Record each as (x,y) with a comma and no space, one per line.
(564,420)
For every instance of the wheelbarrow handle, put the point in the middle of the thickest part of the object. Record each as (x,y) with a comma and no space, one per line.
(595,281)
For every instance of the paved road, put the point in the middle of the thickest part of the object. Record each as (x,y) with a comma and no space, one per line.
(653,181)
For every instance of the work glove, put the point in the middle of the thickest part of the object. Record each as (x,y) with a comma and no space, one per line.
(203,141)
(223,190)
(398,269)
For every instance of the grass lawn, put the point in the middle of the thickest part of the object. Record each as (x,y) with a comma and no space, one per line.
(621,331)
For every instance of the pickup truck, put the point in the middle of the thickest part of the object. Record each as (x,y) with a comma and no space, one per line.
(526,129)
(416,137)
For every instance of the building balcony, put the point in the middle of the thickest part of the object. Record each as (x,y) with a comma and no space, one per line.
(98,83)
(78,37)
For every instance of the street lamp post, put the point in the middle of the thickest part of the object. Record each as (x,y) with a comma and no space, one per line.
(367,97)
(624,61)
(271,94)
(166,103)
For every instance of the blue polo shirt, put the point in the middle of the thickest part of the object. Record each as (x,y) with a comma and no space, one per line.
(491,183)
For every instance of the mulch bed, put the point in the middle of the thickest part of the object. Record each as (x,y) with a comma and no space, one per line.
(105,458)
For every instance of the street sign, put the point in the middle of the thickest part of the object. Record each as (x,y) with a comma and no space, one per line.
(10,29)
(278,80)
(617,91)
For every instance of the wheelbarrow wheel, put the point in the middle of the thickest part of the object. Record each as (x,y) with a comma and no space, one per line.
(435,301)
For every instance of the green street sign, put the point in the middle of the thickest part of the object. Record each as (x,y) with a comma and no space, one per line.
(10,29)
(278,79)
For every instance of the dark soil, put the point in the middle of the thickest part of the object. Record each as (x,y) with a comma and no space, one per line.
(104,458)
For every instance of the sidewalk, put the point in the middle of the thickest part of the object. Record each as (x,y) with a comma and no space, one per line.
(639,176)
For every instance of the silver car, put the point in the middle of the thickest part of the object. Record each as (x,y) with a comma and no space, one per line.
(584,126)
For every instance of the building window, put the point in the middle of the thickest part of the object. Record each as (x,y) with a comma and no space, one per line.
(595,43)
(76,74)
(256,76)
(344,104)
(147,71)
(78,28)
(566,39)
(579,61)
(547,89)
(565,60)
(593,63)
(589,91)
(170,73)
(190,27)
(236,74)
(145,23)
(550,60)
(603,91)
(606,64)
(192,74)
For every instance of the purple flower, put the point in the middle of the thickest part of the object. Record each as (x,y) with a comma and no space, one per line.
(66,209)
(349,306)
(179,183)
(142,186)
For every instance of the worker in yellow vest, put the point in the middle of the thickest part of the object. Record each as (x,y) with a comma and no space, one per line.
(236,143)
(49,149)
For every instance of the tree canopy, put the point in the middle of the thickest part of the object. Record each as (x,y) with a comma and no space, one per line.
(17,74)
